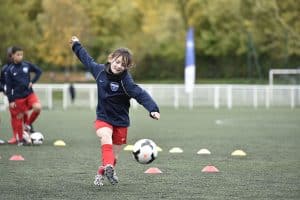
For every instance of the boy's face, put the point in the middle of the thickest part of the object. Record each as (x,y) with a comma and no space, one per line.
(117,65)
(17,57)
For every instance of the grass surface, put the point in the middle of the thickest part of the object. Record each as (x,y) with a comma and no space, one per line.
(271,139)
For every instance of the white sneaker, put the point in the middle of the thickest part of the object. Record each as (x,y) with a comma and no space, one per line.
(99,180)
(116,177)
(2,142)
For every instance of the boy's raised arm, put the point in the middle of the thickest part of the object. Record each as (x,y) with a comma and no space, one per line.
(84,56)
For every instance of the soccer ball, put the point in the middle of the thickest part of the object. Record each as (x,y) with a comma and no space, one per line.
(144,151)
(37,138)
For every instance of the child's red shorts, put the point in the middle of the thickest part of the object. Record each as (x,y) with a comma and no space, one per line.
(25,104)
(119,135)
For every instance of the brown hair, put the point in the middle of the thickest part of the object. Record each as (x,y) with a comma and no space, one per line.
(126,56)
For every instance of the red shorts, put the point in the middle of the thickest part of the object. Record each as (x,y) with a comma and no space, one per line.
(25,104)
(119,135)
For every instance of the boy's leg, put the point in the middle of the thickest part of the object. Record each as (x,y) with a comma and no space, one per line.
(18,113)
(17,123)
(104,131)
(34,103)
(119,138)
(105,135)
(19,128)
(13,140)
(26,117)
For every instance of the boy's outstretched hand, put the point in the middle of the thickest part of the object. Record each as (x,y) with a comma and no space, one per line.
(155,115)
(73,40)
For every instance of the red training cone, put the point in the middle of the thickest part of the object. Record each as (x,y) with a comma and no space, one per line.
(210,169)
(17,157)
(153,170)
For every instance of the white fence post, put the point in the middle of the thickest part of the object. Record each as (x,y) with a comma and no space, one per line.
(92,98)
(267,101)
(176,97)
(255,102)
(216,97)
(50,97)
(65,96)
(229,97)
(292,97)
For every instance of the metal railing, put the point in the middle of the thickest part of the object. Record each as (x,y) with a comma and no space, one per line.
(173,95)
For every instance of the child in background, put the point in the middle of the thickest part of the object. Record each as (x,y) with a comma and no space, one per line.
(20,94)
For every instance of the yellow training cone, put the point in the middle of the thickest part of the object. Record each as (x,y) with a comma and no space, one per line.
(128,148)
(158,148)
(204,152)
(59,143)
(176,150)
(238,153)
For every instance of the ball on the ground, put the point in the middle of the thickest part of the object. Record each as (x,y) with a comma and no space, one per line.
(145,151)
(37,138)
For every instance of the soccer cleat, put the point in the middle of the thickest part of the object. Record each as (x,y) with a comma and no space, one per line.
(2,142)
(29,128)
(116,177)
(99,180)
(12,140)
(23,142)
(109,172)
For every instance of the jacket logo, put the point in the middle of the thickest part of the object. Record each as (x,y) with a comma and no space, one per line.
(25,69)
(114,86)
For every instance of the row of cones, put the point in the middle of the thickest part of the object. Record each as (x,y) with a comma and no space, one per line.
(200,152)
(18,157)
(151,170)
(206,169)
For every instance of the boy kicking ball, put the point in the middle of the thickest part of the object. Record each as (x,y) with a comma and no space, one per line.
(115,89)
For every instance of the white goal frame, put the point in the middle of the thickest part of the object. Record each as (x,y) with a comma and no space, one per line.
(272,72)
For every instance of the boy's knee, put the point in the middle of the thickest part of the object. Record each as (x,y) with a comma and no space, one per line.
(105,135)
(37,107)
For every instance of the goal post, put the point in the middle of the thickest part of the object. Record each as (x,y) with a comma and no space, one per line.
(273,72)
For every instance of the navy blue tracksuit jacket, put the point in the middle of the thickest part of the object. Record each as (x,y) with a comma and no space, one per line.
(114,91)
(17,80)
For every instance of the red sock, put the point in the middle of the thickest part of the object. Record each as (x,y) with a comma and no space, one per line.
(13,126)
(18,126)
(101,170)
(25,118)
(32,117)
(107,154)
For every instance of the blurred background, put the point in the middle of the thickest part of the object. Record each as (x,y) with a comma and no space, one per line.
(236,41)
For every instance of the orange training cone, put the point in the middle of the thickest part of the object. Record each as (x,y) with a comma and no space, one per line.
(153,170)
(16,157)
(210,169)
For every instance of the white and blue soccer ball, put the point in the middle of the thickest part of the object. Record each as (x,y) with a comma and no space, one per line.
(37,138)
(145,151)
